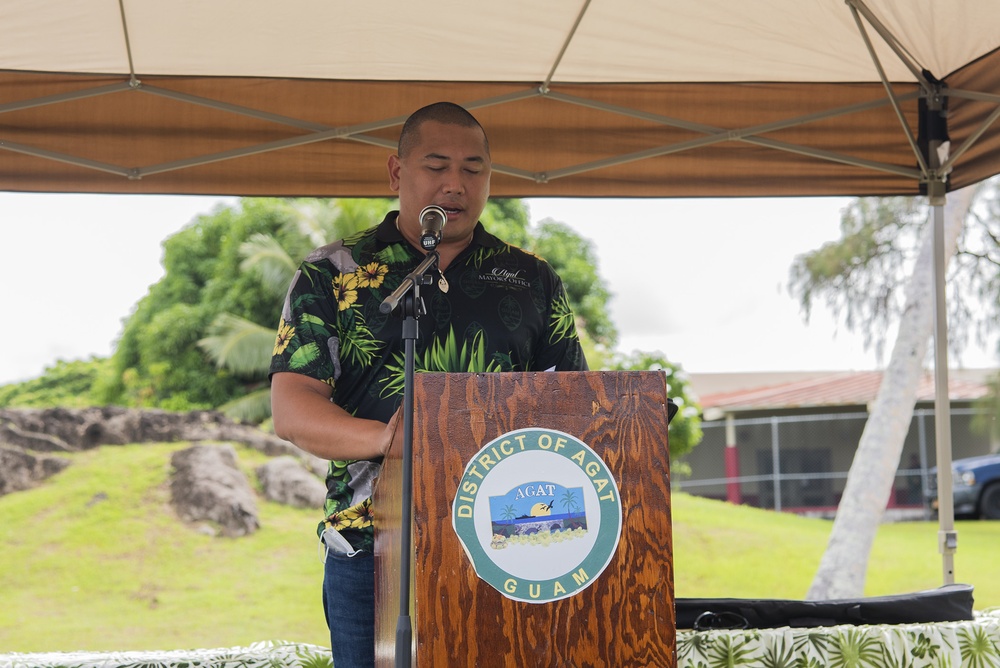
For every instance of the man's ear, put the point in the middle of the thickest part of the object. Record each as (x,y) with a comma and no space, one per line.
(393,165)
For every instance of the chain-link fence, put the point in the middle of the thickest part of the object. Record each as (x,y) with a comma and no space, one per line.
(799,463)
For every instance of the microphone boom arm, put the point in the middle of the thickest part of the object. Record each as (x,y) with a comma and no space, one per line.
(415,277)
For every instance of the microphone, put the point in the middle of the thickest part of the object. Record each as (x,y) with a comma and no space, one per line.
(432,221)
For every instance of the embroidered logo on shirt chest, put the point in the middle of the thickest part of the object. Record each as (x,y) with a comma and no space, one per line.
(505,277)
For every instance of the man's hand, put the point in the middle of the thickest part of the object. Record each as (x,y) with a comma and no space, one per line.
(394,431)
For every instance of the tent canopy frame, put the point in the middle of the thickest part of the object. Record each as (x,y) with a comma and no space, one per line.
(928,88)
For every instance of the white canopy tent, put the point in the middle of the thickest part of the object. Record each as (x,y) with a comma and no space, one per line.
(588,98)
(581,98)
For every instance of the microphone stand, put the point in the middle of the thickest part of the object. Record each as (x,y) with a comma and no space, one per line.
(405,301)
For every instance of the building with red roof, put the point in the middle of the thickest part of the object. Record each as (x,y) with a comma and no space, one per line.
(787,440)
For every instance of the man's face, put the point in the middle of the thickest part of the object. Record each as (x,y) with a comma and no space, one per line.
(447,166)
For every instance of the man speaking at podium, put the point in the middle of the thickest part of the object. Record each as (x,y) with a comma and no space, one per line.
(338,363)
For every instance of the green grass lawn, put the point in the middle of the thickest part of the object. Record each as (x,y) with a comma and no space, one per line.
(96,560)
(736,551)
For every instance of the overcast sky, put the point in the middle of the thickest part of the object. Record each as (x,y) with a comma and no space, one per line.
(703,281)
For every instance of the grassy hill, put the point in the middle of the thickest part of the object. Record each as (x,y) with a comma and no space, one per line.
(95,559)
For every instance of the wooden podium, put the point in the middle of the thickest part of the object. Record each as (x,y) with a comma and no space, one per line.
(625,617)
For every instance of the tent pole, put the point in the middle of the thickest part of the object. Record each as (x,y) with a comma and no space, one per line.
(934,127)
(947,536)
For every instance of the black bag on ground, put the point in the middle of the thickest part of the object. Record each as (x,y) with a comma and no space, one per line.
(950,603)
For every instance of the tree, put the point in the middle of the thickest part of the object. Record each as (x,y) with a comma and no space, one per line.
(861,276)
(156,360)
(243,346)
(64,384)
(575,260)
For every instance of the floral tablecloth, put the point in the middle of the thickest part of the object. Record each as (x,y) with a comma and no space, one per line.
(270,654)
(971,644)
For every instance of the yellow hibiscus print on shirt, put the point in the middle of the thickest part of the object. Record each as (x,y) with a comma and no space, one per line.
(371,275)
(345,289)
(285,334)
(355,517)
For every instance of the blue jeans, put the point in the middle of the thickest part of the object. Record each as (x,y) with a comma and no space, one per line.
(349,600)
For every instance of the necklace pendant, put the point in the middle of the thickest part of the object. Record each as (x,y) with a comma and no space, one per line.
(442,282)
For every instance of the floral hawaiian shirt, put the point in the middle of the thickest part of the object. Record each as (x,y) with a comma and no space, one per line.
(495,308)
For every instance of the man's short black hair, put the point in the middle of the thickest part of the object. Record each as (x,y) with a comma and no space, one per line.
(442,112)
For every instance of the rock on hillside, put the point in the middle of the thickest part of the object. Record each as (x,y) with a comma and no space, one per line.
(64,430)
(68,430)
(207,485)
(20,470)
(286,480)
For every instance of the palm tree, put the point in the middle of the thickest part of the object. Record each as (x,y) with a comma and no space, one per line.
(244,347)
(569,500)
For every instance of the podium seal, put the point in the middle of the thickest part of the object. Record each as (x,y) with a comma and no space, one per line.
(538,514)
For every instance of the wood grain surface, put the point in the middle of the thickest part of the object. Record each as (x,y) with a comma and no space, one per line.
(624,618)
